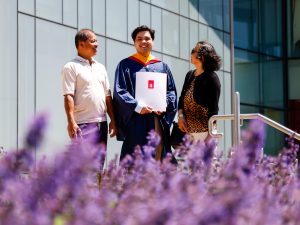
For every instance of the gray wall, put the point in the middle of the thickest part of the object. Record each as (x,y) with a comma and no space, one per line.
(37,39)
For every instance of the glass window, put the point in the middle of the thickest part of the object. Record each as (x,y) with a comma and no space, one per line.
(294,27)
(84,14)
(8,75)
(70,12)
(26,6)
(53,50)
(247,79)
(271,27)
(203,32)
(248,109)
(226,91)
(171,33)
(272,83)
(294,79)
(274,138)
(133,17)
(226,57)
(101,51)
(211,12)
(185,49)
(172,5)
(156,24)
(51,10)
(179,69)
(26,74)
(184,8)
(99,16)
(193,7)
(246,24)
(221,124)
(222,95)
(226,15)
(193,34)
(113,59)
(116,19)
(157,54)
(215,37)
(145,14)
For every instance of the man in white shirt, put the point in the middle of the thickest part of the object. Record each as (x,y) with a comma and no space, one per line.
(87,95)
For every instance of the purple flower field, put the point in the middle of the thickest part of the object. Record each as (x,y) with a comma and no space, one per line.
(204,188)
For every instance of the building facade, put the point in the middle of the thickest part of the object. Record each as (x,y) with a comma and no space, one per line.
(267,62)
(37,39)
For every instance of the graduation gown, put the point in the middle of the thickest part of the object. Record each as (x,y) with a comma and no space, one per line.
(133,127)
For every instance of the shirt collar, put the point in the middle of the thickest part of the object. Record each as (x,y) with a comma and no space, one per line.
(79,58)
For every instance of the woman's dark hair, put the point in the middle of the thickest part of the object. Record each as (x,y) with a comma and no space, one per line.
(207,54)
(142,28)
(82,35)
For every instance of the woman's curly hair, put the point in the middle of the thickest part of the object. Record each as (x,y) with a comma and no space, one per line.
(207,54)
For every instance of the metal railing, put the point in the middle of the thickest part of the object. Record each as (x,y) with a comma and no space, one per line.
(237,117)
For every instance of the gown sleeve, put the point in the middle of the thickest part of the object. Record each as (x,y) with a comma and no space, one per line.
(123,98)
(171,97)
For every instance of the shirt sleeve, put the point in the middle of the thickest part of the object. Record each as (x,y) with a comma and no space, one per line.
(106,84)
(68,76)
(139,107)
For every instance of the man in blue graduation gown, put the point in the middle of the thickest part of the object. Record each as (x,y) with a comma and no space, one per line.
(135,120)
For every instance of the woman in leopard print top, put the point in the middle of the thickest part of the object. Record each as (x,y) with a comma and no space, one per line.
(201,91)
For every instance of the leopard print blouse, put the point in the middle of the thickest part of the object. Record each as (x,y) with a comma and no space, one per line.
(195,114)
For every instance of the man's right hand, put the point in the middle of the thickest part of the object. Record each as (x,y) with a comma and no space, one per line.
(73,130)
(146,110)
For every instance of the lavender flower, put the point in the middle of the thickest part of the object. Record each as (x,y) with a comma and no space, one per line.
(203,189)
(35,133)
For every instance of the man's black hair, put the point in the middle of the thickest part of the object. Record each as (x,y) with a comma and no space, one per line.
(142,28)
(82,35)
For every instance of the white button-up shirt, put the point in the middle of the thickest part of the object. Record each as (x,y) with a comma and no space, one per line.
(89,85)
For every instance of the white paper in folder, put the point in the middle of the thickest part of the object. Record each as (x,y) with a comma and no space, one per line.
(151,90)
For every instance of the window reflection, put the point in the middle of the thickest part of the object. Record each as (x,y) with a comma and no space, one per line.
(99,16)
(156,24)
(116,19)
(145,14)
(8,75)
(270,27)
(193,7)
(246,22)
(84,14)
(70,12)
(172,5)
(26,6)
(272,91)
(294,29)
(170,33)
(179,69)
(184,39)
(50,59)
(294,79)
(211,12)
(26,74)
(51,10)
(247,77)
(133,17)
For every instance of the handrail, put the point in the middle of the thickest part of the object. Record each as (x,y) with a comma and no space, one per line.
(237,120)
(264,119)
